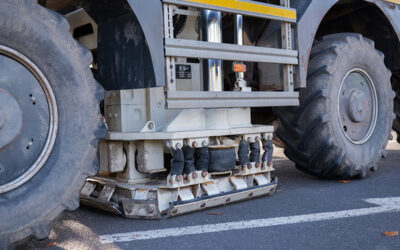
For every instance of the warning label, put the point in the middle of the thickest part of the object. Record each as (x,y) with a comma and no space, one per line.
(183,71)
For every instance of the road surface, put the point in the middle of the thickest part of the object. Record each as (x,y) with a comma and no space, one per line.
(304,213)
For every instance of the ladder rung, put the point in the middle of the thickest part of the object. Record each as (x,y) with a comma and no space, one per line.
(232,52)
(229,99)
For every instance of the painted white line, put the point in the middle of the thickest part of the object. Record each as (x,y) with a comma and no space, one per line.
(391,204)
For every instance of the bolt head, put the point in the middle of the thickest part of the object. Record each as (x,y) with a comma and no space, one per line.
(258,164)
(269,163)
(149,210)
(179,177)
(194,175)
(250,166)
(204,173)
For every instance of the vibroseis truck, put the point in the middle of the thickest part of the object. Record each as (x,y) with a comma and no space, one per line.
(173,105)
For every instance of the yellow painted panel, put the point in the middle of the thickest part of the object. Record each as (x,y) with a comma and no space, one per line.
(251,7)
(393,1)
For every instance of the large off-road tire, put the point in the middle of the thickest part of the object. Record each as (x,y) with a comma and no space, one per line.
(49,137)
(396,87)
(343,123)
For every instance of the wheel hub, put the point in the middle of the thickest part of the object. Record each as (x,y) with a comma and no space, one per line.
(10,119)
(358,106)
(28,119)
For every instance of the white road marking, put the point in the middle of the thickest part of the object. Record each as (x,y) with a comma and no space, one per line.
(390,204)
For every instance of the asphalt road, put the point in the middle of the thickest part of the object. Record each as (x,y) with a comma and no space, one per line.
(297,194)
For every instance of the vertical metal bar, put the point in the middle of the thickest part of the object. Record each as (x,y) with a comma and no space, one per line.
(169,61)
(211,22)
(287,44)
(239,38)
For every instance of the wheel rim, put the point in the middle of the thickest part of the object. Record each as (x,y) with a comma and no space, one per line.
(28,119)
(357,106)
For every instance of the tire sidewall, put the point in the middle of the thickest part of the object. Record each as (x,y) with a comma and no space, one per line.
(74,147)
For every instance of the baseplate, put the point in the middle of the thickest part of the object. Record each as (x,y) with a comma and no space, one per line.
(161,198)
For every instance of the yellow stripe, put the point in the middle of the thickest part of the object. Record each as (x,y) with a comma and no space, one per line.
(248,6)
(393,1)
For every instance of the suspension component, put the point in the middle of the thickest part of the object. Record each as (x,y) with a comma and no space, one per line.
(177,162)
(188,154)
(255,153)
(268,151)
(202,160)
(243,153)
(222,159)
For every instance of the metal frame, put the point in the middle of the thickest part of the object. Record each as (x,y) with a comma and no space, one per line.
(169,34)
(180,135)
(171,201)
(219,200)
(133,195)
(232,52)
(202,119)
(288,80)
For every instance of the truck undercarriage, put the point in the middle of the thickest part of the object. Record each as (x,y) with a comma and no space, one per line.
(208,133)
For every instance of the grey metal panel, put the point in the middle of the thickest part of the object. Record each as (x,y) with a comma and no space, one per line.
(150,16)
(392,13)
(205,50)
(310,17)
(231,99)
(126,136)
(229,10)
(310,14)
